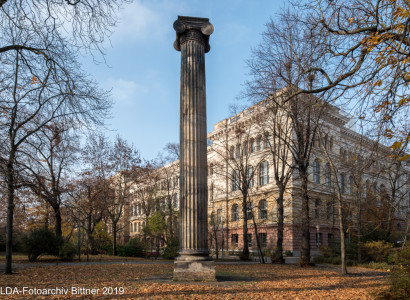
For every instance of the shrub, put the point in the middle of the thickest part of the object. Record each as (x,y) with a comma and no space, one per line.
(319,259)
(400,277)
(41,241)
(276,257)
(67,251)
(377,251)
(133,248)
(171,250)
(288,253)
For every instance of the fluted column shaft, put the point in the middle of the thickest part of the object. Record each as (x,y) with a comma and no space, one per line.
(192,41)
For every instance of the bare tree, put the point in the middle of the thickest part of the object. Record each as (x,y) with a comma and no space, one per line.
(50,155)
(240,157)
(41,81)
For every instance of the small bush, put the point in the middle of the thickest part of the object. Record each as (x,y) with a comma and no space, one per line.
(67,251)
(172,248)
(377,251)
(288,253)
(133,248)
(319,259)
(336,261)
(276,257)
(400,277)
(41,241)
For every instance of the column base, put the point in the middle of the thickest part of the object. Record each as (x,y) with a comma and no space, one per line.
(194,270)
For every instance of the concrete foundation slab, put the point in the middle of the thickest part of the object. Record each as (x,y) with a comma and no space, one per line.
(194,271)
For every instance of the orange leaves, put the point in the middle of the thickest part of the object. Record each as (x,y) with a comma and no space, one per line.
(34,80)
(378,83)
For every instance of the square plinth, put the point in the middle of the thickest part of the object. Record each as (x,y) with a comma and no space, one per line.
(194,271)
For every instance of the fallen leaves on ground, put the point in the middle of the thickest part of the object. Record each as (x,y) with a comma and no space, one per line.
(153,281)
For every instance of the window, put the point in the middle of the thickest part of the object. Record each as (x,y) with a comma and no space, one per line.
(317,208)
(316,171)
(263,209)
(175,198)
(351,184)
(135,227)
(267,140)
(249,240)
(329,210)
(235,213)
(211,192)
(331,143)
(342,183)
(211,169)
(245,148)
(249,176)
(238,151)
(264,173)
(131,228)
(326,142)
(329,239)
(263,239)
(252,146)
(219,216)
(249,214)
(260,143)
(328,175)
(235,239)
(232,152)
(235,180)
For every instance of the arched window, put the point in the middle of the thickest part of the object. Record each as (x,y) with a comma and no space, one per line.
(316,171)
(235,213)
(263,209)
(328,175)
(331,143)
(264,173)
(252,145)
(235,180)
(326,142)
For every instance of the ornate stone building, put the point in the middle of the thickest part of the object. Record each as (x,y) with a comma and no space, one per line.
(373,188)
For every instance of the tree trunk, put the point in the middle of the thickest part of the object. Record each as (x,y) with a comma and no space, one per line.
(57,217)
(258,242)
(342,237)
(114,242)
(279,242)
(305,250)
(245,251)
(10,212)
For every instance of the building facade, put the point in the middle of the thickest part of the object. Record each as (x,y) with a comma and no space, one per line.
(373,188)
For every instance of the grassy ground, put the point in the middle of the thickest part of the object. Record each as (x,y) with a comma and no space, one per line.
(153,281)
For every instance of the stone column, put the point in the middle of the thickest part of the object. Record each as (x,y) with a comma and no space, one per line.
(193,262)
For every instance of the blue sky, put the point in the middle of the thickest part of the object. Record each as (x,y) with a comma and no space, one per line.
(143,69)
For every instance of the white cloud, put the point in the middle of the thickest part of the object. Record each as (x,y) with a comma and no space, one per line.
(125,91)
(138,21)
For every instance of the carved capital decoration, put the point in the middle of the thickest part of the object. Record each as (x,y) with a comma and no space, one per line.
(192,29)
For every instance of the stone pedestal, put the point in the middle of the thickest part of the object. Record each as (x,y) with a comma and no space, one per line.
(193,262)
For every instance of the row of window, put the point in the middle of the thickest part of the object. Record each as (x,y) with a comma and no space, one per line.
(137,226)
(250,146)
(262,211)
(263,176)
